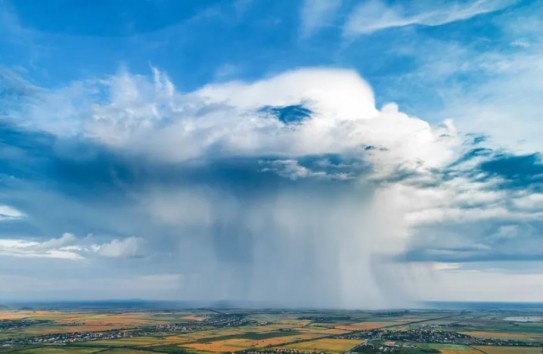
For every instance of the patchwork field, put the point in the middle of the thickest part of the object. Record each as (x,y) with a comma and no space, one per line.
(118,330)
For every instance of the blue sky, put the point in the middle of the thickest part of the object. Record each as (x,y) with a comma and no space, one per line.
(207,149)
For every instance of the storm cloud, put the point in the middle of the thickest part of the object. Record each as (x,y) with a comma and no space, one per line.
(292,190)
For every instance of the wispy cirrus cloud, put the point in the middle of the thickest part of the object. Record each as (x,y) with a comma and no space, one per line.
(316,14)
(375,15)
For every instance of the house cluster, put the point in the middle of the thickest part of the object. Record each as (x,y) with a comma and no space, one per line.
(395,338)
(65,338)
(15,324)
(82,336)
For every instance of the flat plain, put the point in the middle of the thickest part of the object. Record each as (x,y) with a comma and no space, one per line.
(213,330)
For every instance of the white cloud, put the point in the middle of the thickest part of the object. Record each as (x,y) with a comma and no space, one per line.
(129,247)
(69,247)
(54,248)
(66,239)
(151,118)
(10,213)
(499,99)
(530,202)
(456,200)
(292,169)
(520,43)
(374,15)
(506,106)
(316,14)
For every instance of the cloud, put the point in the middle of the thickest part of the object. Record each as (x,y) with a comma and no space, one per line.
(316,14)
(293,170)
(151,118)
(296,179)
(474,84)
(302,179)
(69,247)
(53,248)
(129,247)
(10,213)
(486,107)
(66,239)
(375,15)
(483,207)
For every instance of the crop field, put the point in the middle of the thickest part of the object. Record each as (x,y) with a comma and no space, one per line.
(506,335)
(509,350)
(363,326)
(451,349)
(327,345)
(118,330)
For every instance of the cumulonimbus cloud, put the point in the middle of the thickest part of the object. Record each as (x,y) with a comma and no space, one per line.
(296,179)
(151,118)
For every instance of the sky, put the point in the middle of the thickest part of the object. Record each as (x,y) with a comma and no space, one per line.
(339,154)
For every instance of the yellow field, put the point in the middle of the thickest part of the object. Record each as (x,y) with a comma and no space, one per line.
(235,344)
(10,315)
(214,333)
(323,330)
(70,322)
(329,345)
(228,345)
(361,326)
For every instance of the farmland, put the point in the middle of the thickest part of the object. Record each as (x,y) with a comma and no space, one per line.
(73,329)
